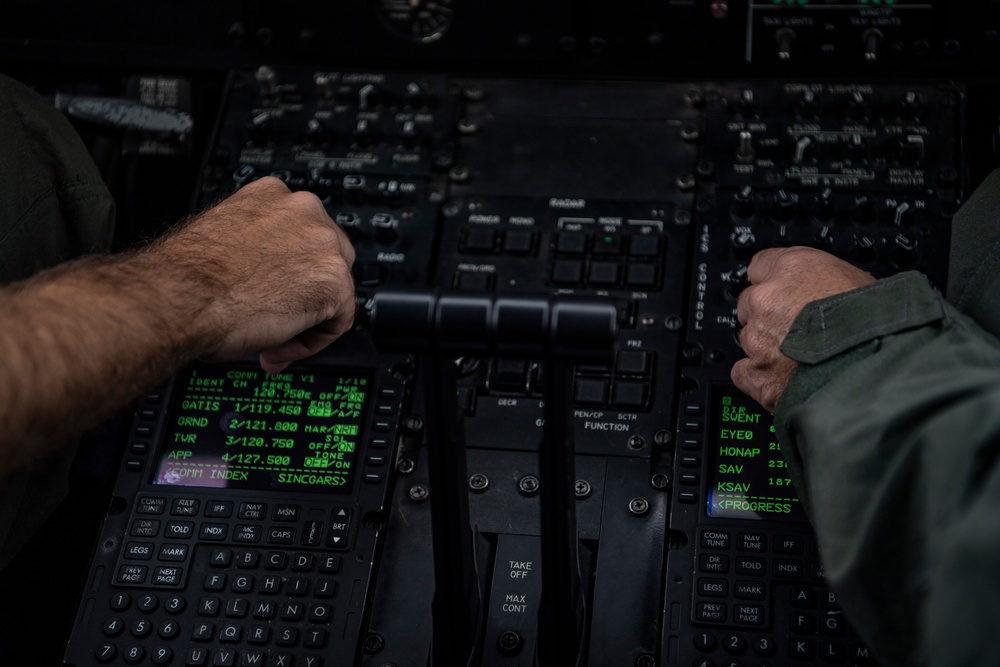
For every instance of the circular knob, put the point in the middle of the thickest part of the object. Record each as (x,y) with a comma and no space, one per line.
(744,206)
(864,210)
(325,89)
(805,150)
(414,94)
(911,104)
(267,81)
(857,106)
(737,281)
(319,182)
(824,210)
(747,104)
(783,238)
(364,133)
(807,105)
(824,239)
(350,223)
(904,251)
(857,148)
(354,188)
(863,248)
(369,96)
(244,174)
(260,127)
(742,240)
(408,134)
(385,226)
(903,214)
(785,203)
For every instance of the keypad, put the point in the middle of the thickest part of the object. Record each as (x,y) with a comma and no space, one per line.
(740,574)
(156,551)
(251,606)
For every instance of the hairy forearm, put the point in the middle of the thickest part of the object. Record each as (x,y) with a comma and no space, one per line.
(83,340)
(265,270)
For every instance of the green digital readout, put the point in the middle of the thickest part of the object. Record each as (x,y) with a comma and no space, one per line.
(747,477)
(242,428)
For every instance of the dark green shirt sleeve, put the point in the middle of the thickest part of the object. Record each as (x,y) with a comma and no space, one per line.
(891,426)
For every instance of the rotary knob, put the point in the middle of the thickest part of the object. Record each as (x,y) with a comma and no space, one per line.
(857,105)
(864,210)
(386,227)
(805,150)
(260,128)
(736,282)
(857,148)
(903,214)
(350,223)
(824,210)
(785,204)
(267,82)
(911,104)
(354,186)
(904,251)
(824,239)
(244,174)
(863,249)
(744,207)
(808,105)
(742,239)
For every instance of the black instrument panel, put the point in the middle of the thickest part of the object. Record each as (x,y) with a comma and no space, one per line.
(636,153)
(286,536)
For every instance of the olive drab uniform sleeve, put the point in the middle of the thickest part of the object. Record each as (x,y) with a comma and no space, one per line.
(891,426)
(54,206)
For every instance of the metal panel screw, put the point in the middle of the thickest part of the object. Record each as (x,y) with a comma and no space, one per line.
(638,506)
(479,482)
(528,485)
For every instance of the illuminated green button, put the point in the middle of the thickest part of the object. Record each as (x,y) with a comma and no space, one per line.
(607,244)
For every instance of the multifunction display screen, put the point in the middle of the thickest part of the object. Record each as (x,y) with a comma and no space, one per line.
(748,477)
(242,428)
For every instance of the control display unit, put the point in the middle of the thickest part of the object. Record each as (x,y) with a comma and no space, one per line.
(246,524)
(747,475)
(245,429)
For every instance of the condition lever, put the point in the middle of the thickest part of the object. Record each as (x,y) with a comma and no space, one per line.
(562,331)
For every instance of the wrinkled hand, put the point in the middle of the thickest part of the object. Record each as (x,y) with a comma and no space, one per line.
(783,280)
(278,269)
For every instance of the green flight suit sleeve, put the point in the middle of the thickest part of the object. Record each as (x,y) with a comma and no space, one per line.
(891,426)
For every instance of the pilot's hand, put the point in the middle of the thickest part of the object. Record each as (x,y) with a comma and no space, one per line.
(782,281)
(278,270)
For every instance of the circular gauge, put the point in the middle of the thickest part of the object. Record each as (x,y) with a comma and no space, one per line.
(420,21)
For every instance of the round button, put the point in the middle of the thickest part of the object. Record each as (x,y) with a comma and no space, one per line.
(705,641)
(106,652)
(148,603)
(120,601)
(113,626)
(734,643)
(764,646)
(141,628)
(133,654)
(174,604)
(161,655)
